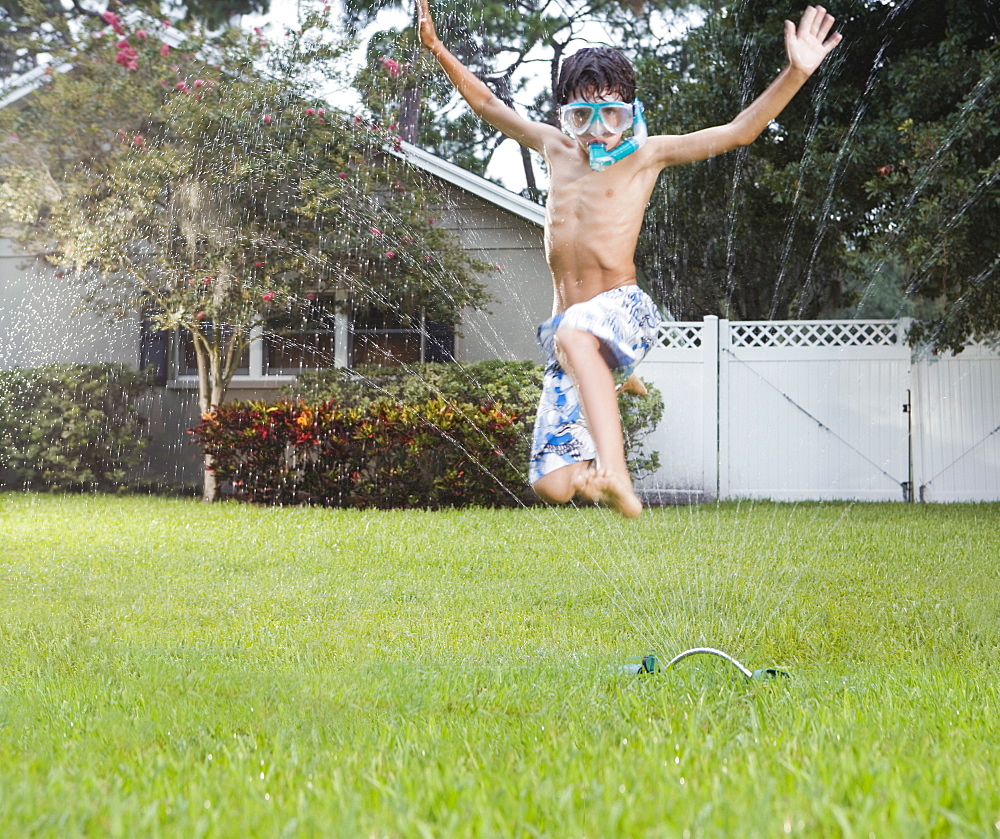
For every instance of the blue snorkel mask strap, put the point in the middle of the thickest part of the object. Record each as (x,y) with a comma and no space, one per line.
(601,158)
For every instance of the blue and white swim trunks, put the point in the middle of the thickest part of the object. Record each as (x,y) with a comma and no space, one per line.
(625,320)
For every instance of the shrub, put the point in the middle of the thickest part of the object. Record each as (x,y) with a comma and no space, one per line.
(386,454)
(514,384)
(70,426)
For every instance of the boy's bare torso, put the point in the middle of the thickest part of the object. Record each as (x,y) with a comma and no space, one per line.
(592,220)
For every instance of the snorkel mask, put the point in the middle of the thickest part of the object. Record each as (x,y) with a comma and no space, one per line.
(578,118)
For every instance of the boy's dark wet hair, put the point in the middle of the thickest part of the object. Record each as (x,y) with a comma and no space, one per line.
(596,70)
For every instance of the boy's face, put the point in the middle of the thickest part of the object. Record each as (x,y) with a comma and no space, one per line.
(598,130)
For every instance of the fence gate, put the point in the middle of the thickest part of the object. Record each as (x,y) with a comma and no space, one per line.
(789,410)
(956,439)
(814,410)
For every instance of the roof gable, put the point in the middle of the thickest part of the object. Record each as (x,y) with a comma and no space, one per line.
(464,179)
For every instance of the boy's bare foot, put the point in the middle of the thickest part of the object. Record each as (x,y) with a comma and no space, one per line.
(611,489)
(633,384)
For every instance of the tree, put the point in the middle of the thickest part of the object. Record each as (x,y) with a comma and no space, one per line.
(882,173)
(211,197)
(500,42)
(33,28)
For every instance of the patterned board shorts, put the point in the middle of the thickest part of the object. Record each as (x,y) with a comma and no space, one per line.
(625,320)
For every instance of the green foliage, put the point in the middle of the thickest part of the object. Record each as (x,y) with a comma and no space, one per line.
(514,384)
(882,172)
(384,454)
(70,427)
(403,85)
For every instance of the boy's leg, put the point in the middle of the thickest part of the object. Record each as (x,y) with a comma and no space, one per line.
(582,355)
(560,485)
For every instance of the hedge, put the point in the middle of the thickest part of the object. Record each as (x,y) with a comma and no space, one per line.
(424,454)
(70,426)
(514,384)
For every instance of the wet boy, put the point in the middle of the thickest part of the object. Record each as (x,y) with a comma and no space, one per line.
(599,186)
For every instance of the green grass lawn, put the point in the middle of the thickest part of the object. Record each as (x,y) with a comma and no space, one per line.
(174,669)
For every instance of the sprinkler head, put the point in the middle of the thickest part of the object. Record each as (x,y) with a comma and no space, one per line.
(769,673)
(647,665)
(650,665)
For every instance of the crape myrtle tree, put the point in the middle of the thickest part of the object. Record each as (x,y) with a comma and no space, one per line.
(874,193)
(31,28)
(212,197)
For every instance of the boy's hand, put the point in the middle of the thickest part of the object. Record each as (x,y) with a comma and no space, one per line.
(808,44)
(425,25)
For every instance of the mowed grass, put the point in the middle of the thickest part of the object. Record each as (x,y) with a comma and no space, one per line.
(169,668)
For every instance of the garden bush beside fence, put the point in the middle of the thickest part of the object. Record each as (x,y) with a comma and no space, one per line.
(429,435)
(515,384)
(421,454)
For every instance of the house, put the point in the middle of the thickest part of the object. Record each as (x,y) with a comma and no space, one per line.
(41,321)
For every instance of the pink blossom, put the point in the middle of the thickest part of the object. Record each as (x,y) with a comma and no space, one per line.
(182,87)
(165,50)
(200,316)
(321,121)
(258,265)
(268,296)
(267,119)
(166,23)
(310,111)
(407,239)
(127,56)
(321,111)
(392,67)
(199,83)
(113,21)
(123,43)
(342,175)
(375,231)
(390,254)
(310,296)
(141,33)
(138,140)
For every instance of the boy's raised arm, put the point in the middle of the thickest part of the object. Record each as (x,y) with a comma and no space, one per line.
(481,99)
(806,46)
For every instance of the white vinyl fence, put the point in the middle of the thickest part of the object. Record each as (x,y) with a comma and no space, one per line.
(800,410)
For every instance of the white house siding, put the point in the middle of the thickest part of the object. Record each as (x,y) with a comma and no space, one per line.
(521,286)
(40,324)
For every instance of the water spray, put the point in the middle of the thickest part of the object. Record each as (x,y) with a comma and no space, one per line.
(649,664)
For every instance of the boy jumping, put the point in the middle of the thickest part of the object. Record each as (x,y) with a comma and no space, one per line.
(599,186)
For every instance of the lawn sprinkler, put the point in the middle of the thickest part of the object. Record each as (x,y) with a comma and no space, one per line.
(649,664)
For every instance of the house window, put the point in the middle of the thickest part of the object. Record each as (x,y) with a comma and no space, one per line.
(187,361)
(318,336)
(304,338)
(382,338)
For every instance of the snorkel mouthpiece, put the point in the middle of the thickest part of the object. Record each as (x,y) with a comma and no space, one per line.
(601,158)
